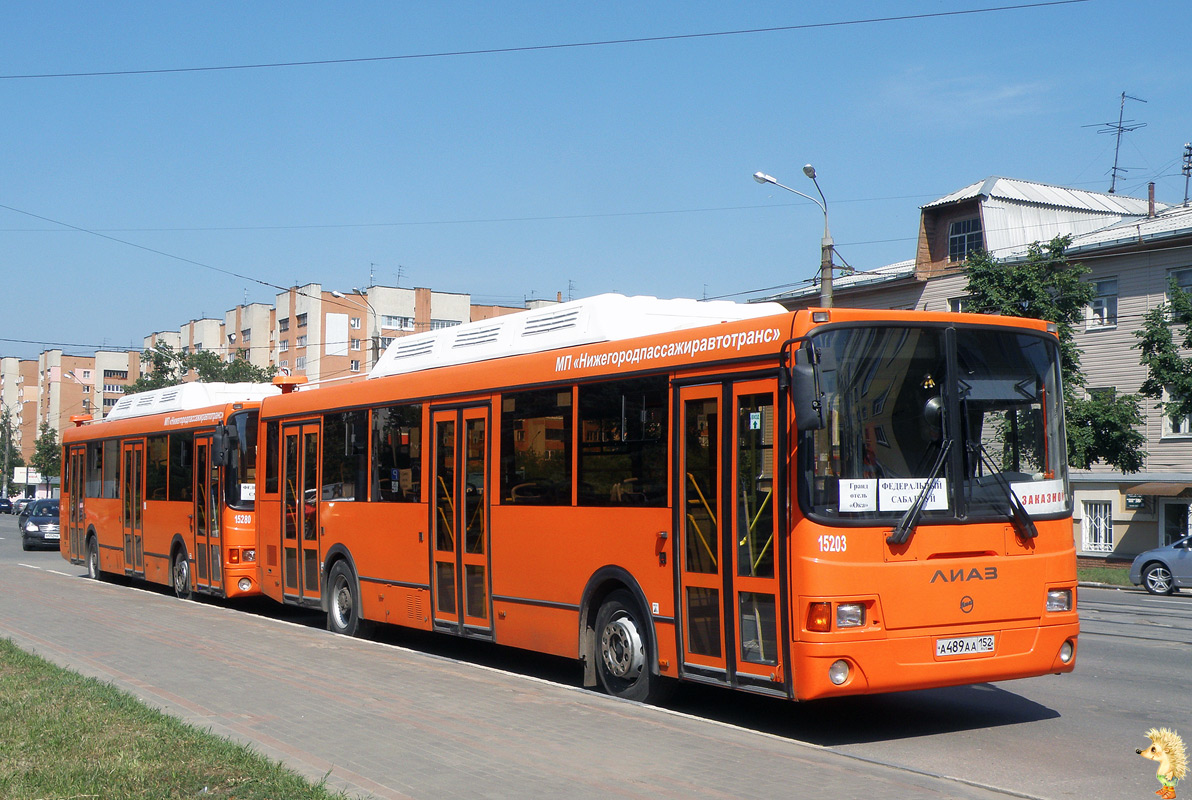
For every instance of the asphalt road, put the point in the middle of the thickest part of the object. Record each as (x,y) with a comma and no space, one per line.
(1050,737)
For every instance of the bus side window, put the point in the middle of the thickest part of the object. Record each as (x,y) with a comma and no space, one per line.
(157,455)
(272,443)
(397,454)
(345,455)
(111,468)
(94,480)
(536,447)
(181,466)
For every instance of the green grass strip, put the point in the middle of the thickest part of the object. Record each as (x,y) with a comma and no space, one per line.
(66,736)
(1114,576)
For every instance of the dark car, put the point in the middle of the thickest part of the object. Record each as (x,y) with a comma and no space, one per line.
(39,525)
(1164,570)
(5,505)
(19,504)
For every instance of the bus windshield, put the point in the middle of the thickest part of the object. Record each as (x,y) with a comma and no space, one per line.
(240,487)
(966,421)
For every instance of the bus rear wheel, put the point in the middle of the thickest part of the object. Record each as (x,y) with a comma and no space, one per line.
(343,602)
(623,654)
(180,574)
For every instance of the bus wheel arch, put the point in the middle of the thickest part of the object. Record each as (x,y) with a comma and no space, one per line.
(341,595)
(614,620)
(180,575)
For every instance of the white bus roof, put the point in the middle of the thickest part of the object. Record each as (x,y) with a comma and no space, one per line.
(188,396)
(602,318)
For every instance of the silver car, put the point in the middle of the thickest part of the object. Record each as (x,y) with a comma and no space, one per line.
(1165,569)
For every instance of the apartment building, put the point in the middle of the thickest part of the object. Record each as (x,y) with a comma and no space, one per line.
(331,334)
(1132,247)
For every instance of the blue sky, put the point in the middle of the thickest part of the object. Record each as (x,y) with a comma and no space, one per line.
(619,167)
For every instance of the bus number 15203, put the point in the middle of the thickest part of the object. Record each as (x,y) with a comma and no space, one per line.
(833,543)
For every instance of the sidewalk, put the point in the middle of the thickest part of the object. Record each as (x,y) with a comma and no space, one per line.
(391,723)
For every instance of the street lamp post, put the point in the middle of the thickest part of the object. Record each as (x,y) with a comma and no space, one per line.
(375,338)
(826,245)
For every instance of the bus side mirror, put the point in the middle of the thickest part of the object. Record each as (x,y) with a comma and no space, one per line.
(223,442)
(805,393)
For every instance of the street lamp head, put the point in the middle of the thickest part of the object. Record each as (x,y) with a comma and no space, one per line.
(809,171)
(338,294)
(356,290)
(762,177)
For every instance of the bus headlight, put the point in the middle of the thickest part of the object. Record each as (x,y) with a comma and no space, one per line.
(1059,599)
(250,555)
(1067,650)
(245,584)
(850,615)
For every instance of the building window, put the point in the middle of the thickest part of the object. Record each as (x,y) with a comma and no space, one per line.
(354,323)
(355,344)
(119,374)
(284,345)
(113,388)
(355,366)
(1102,309)
(958,305)
(87,374)
(198,347)
(301,318)
(400,323)
(300,362)
(284,362)
(386,341)
(439,324)
(1183,279)
(964,237)
(283,324)
(1097,527)
(245,337)
(301,342)
(1175,426)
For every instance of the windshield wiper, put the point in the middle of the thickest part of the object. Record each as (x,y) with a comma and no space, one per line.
(1018,513)
(902,531)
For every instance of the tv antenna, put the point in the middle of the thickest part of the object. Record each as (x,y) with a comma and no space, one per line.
(1122,125)
(1187,169)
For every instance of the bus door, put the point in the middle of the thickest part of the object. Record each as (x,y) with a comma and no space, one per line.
(729,551)
(459,524)
(301,562)
(132,506)
(208,553)
(76,475)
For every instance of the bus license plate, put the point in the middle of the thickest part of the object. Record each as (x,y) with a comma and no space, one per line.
(964,645)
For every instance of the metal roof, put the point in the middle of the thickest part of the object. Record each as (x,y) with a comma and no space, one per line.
(1171,222)
(1044,194)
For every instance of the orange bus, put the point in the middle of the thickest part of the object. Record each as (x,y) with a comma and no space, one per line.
(826,502)
(163,489)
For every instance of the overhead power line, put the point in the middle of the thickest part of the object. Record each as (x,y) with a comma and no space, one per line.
(542,47)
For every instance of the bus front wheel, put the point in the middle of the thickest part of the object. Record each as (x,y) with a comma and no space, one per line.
(181,575)
(623,655)
(93,560)
(343,602)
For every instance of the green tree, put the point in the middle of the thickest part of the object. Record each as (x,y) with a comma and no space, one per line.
(47,454)
(161,366)
(1167,370)
(164,366)
(10,456)
(211,368)
(1101,426)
